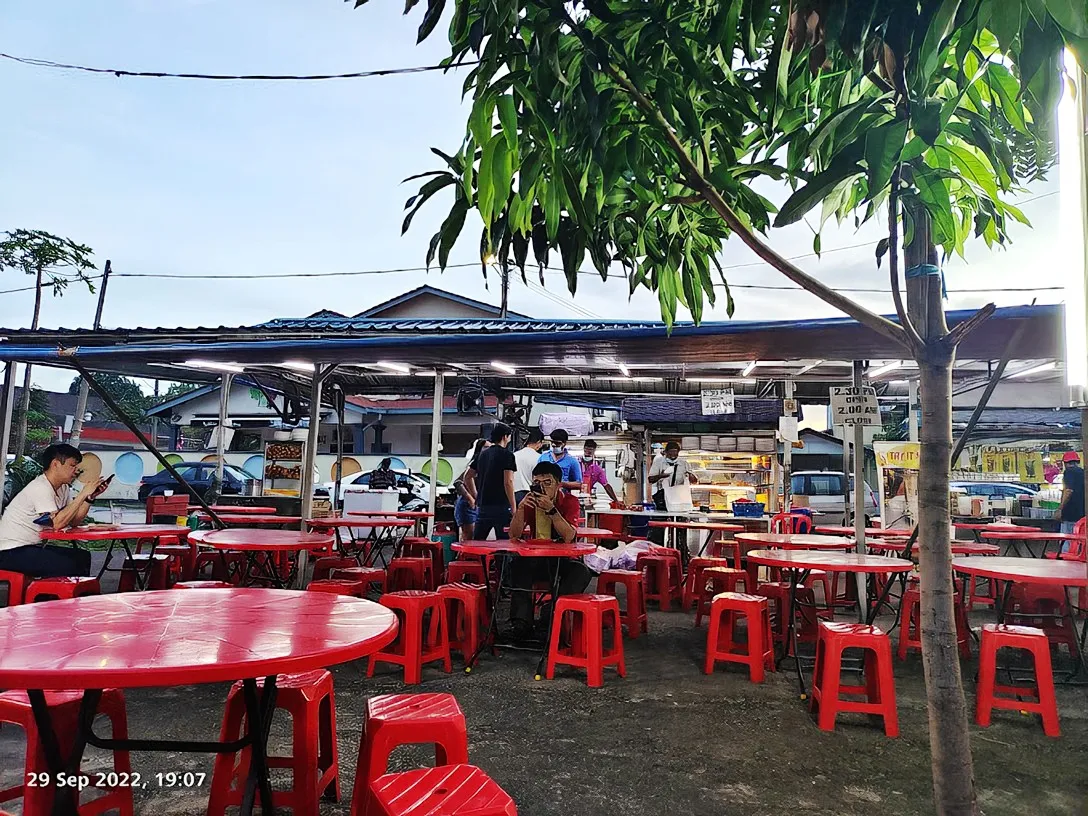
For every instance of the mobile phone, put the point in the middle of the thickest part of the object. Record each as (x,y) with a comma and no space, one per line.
(536,489)
(102,488)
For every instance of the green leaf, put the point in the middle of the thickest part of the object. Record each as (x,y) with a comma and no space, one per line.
(883,146)
(816,243)
(1072,15)
(481,119)
(819,186)
(926,118)
(508,117)
(1007,89)
(881,250)
(450,230)
(973,169)
(933,193)
(940,28)
(485,180)
(425,192)
(552,206)
(430,19)
(502,170)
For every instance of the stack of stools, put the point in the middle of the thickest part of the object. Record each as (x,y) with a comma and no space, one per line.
(411,573)
(692,587)
(804,611)
(452,787)
(202,585)
(156,567)
(466,617)
(338,586)
(325,566)
(50,589)
(879,688)
(308,697)
(465,571)
(662,581)
(998,636)
(634,616)
(16,585)
(910,624)
(64,712)
(726,610)
(369,577)
(419,547)
(422,636)
(724,547)
(715,580)
(585,618)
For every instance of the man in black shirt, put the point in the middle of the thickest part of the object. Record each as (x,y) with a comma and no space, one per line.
(1072,507)
(492,473)
(382,477)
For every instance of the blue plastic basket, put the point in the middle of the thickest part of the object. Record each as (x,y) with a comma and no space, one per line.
(748,509)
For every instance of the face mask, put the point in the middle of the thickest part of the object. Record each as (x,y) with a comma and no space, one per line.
(671,460)
(557,450)
(589,460)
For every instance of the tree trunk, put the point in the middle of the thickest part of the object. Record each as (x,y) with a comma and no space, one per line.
(19,448)
(949,740)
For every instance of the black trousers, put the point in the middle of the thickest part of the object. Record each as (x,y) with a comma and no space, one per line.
(574,577)
(46,561)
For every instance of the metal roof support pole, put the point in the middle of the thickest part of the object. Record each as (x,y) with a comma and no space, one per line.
(309,455)
(859,495)
(7,405)
(787,457)
(436,440)
(127,421)
(912,412)
(221,432)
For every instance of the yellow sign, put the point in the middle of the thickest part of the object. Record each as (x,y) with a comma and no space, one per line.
(1031,466)
(1006,460)
(905,455)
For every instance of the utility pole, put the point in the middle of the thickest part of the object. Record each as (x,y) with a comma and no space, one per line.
(504,303)
(84,388)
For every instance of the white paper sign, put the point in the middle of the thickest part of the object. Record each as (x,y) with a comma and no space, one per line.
(717,401)
(851,405)
(787,428)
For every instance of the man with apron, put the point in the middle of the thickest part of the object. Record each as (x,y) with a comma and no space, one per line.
(668,470)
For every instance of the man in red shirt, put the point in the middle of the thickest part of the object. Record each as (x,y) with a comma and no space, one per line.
(546,505)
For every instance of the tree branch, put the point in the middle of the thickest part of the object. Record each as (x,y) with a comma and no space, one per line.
(961,330)
(915,340)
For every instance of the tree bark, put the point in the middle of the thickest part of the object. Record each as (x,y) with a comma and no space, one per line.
(949,739)
(19,448)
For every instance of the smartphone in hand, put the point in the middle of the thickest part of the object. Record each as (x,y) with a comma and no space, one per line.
(102,488)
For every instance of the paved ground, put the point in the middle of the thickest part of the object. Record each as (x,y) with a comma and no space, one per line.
(667,740)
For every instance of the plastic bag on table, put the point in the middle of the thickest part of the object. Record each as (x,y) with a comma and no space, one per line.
(600,560)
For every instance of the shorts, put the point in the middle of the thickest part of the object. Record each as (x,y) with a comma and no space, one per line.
(463,512)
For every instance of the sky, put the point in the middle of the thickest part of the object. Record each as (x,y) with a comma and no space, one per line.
(184,177)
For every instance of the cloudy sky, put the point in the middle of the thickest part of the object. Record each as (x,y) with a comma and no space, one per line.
(187,178)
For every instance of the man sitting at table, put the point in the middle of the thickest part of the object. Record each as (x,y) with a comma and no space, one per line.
(550,513)
(47,504)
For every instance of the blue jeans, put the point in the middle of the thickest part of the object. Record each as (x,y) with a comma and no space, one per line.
(46,561)
(492,517)
(463,513)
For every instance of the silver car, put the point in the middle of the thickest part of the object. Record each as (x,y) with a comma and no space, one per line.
(824,491)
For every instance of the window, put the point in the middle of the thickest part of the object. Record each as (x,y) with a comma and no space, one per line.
(825,484)
(797,485)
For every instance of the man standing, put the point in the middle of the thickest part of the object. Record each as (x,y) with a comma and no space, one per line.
(593,471)
(668,470)
(383,478)
(1072,507)
(559,455)
(47,504)
(492,472)
(526,460)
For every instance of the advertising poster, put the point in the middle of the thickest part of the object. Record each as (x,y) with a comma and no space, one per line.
(898,464)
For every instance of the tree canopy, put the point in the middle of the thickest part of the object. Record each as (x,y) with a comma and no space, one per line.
(61,261)
(125,391)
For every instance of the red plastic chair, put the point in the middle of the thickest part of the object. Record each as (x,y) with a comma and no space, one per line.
(587,617)
(421,638)
(805,613)
(51,589)
(634,616)
(791,523)
(450,790)
(757,654)
(418,547)
(879,688)
(393,720)
(723,547)
(156,567)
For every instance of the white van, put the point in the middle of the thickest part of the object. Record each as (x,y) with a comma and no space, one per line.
(824,491)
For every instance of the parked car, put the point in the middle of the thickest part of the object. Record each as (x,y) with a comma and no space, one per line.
(199,474)
(824,491)
(994,490)
(406,482)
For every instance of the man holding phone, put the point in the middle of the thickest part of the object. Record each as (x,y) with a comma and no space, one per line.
(47,504)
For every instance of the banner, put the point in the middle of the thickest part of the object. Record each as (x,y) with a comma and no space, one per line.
(898,464)
(1031,467)
(905,455)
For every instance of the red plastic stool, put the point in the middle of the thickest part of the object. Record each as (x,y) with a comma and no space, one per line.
(466,610)
(910,625)
(411,573)
(202,585)
(325,566)
(696,565)
(660,577)
(1043,702)
(634,616)
(450,790)
(155,567)
(726,610)
(724,547)
(879,688)
(393,720)
(220,565)
(804,611)
(338,586)
(589,615)
(419,547)
(824,580)
(673,553)
(986,595)
(1046,608)
(308,697)
(183,559)
(51,589)
(461,571)
(419,641)
(715,580)
(64,711)
(16,582)
(369,577)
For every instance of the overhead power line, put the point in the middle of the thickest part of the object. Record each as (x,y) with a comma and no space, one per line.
(121,72)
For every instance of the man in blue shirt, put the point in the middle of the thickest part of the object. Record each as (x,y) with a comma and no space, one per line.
(558,454)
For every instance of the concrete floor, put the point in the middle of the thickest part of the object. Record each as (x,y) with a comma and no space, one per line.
(667,740)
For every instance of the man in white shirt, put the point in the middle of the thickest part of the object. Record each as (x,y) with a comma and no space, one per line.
(47,504)
(668,470)
(526,460)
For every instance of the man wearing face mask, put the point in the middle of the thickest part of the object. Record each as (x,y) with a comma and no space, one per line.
(668,470)
(559,455)
(593,471)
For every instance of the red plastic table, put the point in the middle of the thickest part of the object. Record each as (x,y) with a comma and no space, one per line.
(977,527)
(796,541)
(595,533)
(958,547)
(870,532)
(252,519)
(179,639)
(381,533)
(120,534)
(1026,535)
(526,549)
(230,508)
(420,517)
(711,528)
(268,553)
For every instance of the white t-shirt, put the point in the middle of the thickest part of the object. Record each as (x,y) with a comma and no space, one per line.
(674,474)
(17,527)
(526,460)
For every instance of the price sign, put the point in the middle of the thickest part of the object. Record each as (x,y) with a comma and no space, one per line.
(717,401)
(851,405)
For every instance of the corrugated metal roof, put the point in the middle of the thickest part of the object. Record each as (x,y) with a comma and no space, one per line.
(427,325)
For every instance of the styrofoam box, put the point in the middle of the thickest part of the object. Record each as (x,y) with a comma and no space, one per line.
(746,443)
(764,444)
(727,443)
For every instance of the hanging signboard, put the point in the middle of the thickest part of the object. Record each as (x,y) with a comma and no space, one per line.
(854,405)
(1031,466)
(717,401)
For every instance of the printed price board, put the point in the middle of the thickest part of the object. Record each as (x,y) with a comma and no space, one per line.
(852,405)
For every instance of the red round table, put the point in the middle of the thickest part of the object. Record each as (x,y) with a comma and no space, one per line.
(121,534)
(977,527)
(958,547)
(268,553)
(420,517)
(870,532)
(595,533)
(231,508)
(796,541)
(381,533)
(556,550)
(711,528)
(252,519)
(179,639)
(1027,535)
